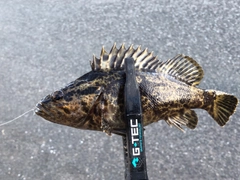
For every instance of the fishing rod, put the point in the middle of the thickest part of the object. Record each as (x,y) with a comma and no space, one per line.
(133,141)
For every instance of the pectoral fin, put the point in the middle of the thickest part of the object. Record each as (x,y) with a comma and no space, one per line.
(184,117)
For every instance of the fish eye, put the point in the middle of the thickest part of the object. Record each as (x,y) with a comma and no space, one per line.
(57,95)
(47,98)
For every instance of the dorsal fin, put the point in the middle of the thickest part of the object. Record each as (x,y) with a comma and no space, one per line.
(114,60)
(182,68)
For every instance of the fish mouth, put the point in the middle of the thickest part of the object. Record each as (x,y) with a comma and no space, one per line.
(41,107)
(41,110)
(48,108)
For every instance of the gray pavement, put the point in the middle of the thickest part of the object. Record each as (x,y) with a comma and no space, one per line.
(46,44)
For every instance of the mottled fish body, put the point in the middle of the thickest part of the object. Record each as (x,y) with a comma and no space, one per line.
(168,92)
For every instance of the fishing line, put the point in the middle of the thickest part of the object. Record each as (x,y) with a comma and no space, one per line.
(17,117)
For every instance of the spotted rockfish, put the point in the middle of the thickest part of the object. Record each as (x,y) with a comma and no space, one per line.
(168,90)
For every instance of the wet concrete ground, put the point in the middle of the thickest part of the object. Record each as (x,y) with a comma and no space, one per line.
(45,45)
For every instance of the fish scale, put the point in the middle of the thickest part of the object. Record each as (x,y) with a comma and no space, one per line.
(95,101)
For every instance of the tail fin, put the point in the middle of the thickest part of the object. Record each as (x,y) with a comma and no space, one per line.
(223,107)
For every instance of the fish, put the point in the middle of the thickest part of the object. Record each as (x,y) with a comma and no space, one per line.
(95,101)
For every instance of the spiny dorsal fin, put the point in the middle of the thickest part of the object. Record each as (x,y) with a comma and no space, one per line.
(114,60)
(182,68)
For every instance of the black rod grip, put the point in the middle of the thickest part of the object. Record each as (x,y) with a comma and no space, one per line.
(136,162)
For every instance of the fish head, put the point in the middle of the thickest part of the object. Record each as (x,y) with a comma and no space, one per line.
(72,105)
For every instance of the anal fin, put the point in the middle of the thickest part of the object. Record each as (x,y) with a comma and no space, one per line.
(186,117)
